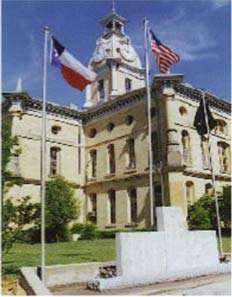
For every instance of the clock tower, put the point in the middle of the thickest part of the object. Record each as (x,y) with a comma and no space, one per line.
(115,61)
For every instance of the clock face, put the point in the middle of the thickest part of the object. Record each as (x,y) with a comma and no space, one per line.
(126,50)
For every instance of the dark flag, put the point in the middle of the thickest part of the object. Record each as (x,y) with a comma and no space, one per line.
(200,119)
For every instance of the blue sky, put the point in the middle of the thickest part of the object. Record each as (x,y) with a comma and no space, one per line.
(199,31)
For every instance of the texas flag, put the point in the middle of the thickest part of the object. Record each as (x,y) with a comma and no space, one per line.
(75,73)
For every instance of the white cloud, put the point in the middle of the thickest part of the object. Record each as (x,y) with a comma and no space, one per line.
(220,3)
(188,35)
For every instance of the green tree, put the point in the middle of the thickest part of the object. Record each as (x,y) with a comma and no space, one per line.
(202,214)
(198,218)
(15,218)
(61,208)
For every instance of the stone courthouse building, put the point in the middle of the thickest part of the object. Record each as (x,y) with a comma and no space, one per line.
(103,148)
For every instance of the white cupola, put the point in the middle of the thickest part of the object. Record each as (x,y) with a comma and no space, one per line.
(115,61)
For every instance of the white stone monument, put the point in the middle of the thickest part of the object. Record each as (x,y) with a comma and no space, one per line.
(171,253)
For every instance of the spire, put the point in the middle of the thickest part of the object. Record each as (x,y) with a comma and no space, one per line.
(19,85)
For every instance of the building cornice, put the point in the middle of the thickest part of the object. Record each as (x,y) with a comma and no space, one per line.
(207,175)
(195,95)
(119,103)
(32,103)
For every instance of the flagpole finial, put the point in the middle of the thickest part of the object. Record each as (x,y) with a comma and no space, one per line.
(46,29)
(19,85)
(113,6)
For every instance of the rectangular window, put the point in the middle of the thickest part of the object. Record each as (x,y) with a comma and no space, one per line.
(128,84)
(131,153)
(93,163)
(133,205)
(111,158)
(54,160)
(158,195)
(112,203)
(92,215)
(155,148)
(101,89)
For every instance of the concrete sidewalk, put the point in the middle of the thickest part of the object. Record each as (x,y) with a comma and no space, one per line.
(205,285)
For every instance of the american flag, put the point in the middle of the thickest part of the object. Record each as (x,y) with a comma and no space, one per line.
(165,57)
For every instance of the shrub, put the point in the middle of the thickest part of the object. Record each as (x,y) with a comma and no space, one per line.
(77,228)
(111,233)
(202,214)
(199,218)
(105,234)
(88,232)
(10,269)
(31,235)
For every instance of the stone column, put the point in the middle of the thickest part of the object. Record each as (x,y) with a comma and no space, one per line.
(114,90)
(88,101)
(172,155)
(173,146)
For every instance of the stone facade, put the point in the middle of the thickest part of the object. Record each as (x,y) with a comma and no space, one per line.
(103,149)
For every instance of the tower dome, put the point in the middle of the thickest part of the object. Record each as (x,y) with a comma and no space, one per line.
(115,61)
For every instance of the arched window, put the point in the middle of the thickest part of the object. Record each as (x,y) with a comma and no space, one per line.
(129,120)
(54,160)
(224,157)
(128,83)
(112,206)
(190,192)
(186,145)
(111,158)
(92,214)
(221,127)
(133,208)
(55,129)
(110,127)
(93,163)
(205,152)
(209,189)
(182,110)
(92,133)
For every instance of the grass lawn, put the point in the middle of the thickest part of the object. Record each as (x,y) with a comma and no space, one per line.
(226,243)
(59,253)
(67,252)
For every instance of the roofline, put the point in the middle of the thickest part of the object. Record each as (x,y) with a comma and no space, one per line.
(117,103)
(113,15)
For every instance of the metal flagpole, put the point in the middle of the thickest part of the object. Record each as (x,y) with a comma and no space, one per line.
(149,123)
(43,154)
(213,175)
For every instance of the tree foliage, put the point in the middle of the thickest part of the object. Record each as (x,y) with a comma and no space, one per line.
(225,198)
(202,214)
(61,208)
(14,215)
